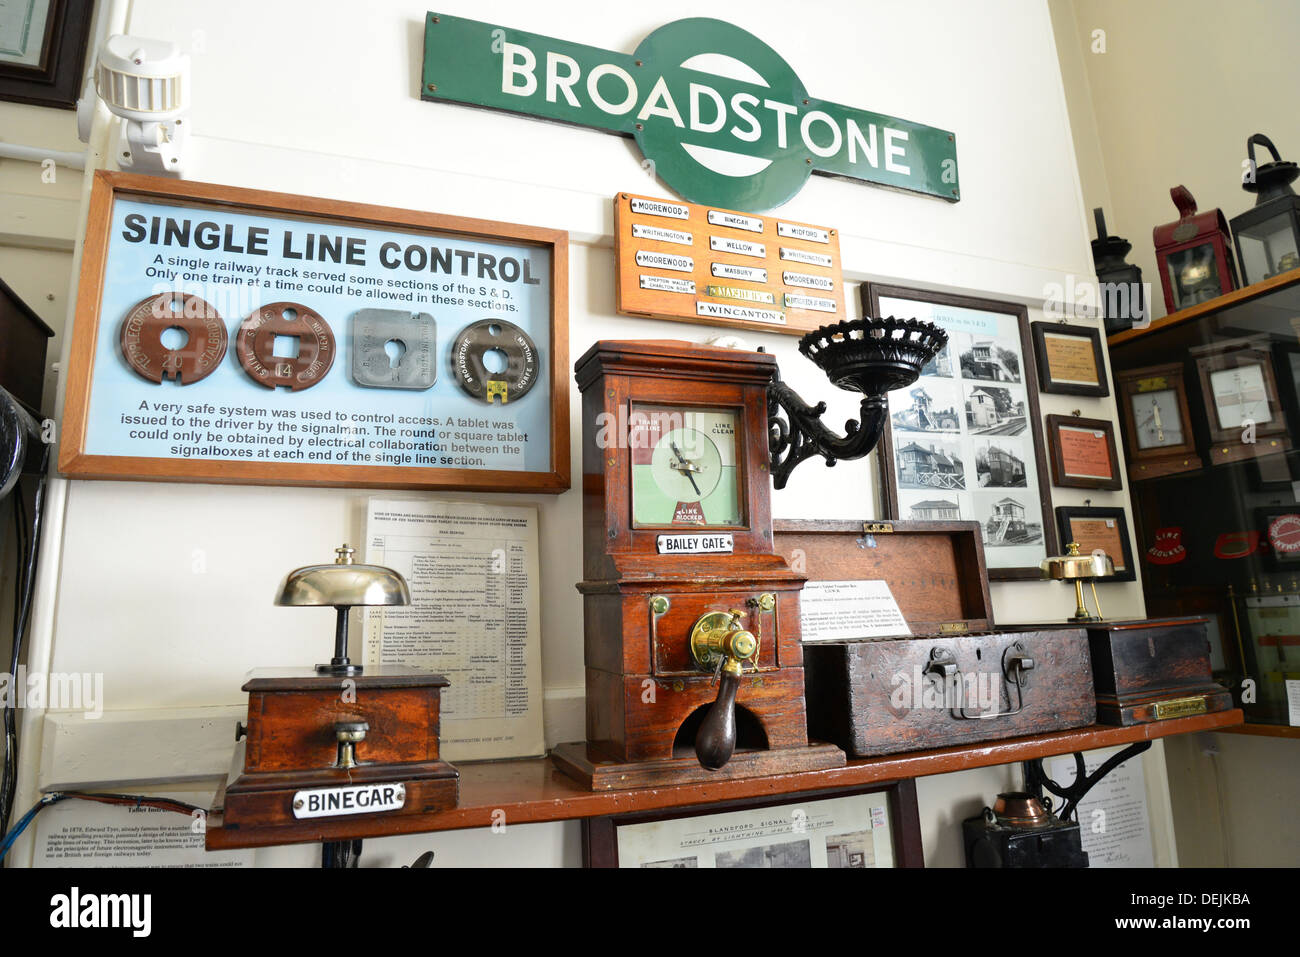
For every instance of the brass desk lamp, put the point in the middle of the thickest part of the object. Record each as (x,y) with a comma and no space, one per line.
(1075,567)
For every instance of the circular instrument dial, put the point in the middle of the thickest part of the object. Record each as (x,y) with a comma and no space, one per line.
(684,467)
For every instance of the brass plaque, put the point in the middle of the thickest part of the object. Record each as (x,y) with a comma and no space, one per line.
(953,627)
(1180,708)
(877,528)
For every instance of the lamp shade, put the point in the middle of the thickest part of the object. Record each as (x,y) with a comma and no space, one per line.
(1073,566)
(342,584)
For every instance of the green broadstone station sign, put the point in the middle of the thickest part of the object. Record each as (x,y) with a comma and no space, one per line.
(723,118)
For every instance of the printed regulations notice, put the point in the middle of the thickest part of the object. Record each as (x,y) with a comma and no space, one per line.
(836,611)
(474,617)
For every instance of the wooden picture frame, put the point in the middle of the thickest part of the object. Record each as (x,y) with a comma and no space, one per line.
(54,79)
(1083,453)
(600,839)
(433,434)
(1154,449)
(1070,359)
(1249,363)
(1096,528)
(1007,490)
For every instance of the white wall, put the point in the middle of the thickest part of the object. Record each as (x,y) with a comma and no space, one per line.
(343,120)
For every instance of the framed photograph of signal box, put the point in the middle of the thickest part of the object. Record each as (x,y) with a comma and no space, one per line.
(1069,359)
(1083,453)
(1099,529)
(1242,406)
(963,441)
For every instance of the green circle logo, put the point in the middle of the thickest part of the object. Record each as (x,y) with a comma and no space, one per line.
(722,154)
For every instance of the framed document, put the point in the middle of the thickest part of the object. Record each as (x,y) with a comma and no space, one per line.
(963,441)
(1239,391)
(1070,361)
(1099,529)
(1083,453)
(42,50)
(860,828)
(238,336)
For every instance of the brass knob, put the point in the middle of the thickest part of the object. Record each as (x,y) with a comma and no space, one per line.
(349,733)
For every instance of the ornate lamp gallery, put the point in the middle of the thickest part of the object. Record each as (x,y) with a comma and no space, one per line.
(870,356)
(1194,254)
(1268,234)
(1122,297)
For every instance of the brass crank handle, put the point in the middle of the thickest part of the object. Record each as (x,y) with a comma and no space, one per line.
(716,739)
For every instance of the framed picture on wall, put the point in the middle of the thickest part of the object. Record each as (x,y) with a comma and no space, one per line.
(1070,361)
(1104,529)
(966,434)
(1083,453)
(43,50)
(877,826)
(241,336)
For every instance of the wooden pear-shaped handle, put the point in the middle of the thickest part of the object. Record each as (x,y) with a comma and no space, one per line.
(716,739)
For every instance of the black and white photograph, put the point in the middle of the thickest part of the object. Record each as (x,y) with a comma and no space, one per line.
(940,365)
(789,854)
(1008,518)
(937,509)
(927,462)
(993,410)
(1000,463)
(851,850)
(933,408)
(986,358)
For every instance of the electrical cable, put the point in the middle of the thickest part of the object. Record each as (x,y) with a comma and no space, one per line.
(23,595)
(121,800)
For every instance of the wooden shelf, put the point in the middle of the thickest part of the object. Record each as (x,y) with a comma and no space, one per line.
(1217,304)
(1266,730)
(533,791)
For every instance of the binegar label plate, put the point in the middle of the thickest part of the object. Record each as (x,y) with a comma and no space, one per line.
(394,349)
(349,799)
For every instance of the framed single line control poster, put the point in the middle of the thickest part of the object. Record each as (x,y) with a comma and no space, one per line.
(963,441)
(239,336)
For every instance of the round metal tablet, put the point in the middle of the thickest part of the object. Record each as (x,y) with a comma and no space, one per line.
(515,363)
(198,328)
(307,351)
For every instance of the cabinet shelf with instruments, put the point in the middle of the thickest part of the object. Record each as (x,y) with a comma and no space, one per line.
(533,791)
(1210,414)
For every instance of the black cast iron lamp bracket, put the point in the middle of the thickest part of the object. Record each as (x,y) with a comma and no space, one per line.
(870,356)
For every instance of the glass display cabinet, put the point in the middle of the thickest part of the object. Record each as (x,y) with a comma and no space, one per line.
(1210,412)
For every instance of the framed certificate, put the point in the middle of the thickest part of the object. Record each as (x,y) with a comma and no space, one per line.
(238,336)
(1083,453)
(1070,360)
(42,50)
(963,441)
(1099,529)
(859,828)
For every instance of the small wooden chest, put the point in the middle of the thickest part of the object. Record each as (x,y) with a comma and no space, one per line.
(327,757)
(951,681)
(1153,670)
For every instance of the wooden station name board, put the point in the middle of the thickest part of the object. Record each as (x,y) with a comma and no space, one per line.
(720,267)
